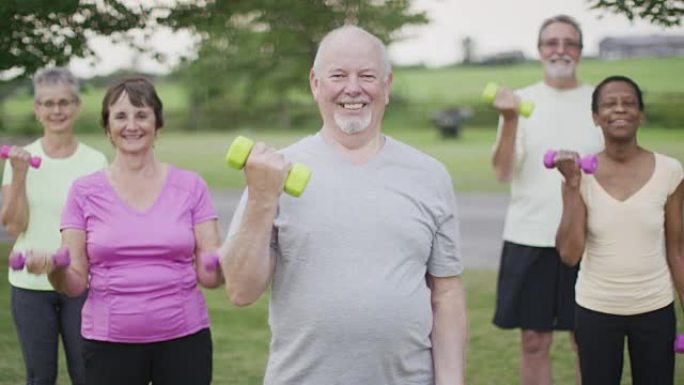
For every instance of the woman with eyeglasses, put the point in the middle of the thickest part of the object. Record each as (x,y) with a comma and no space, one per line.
(32,202)
(624,225)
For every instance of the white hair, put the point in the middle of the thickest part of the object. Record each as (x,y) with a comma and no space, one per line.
(56,75)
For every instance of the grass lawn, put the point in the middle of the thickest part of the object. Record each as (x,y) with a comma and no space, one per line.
(241,338)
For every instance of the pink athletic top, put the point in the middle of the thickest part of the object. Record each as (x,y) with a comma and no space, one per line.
(143,284)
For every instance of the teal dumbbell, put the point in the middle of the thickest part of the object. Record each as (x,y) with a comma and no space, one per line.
(296,180)
(525,107)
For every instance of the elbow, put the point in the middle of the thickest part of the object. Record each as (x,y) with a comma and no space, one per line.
(77,292)
(240,298)
(502,176)
(503,173)
(12,228)
(13,231)
(70,291)
(569,257)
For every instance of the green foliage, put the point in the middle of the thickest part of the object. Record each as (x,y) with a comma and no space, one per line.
(36,33)
(256,54)
(666,13)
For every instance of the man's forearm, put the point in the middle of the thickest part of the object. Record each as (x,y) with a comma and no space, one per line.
(449,335)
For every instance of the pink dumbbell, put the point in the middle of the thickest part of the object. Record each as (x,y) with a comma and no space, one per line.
(587,163)
(61,258)
(679,343)
(34,161)
(210,260)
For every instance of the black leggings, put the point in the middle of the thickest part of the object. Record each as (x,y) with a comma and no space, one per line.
(182,361)
(650,337)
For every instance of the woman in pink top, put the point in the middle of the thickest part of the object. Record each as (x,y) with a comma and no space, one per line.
(134,232)
(625,225)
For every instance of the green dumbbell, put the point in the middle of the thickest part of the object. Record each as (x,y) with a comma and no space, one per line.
(525,107)
(296,180)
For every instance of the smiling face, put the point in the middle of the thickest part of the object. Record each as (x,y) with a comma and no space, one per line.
(132,129)
(56,107)
(560,49)
(618,111)
(350,83)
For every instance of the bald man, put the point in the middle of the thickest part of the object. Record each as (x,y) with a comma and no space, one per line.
(364,267)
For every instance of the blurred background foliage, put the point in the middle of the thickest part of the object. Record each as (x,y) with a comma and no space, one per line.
(250,69)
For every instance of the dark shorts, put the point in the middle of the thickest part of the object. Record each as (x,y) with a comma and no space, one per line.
(535,290)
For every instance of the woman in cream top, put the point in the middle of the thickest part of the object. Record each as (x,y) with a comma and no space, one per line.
(624,224)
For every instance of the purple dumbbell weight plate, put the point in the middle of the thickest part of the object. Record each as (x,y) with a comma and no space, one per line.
(34,161)
(679,343)
(16,261)
(587,163)
(61,258)
(210,260)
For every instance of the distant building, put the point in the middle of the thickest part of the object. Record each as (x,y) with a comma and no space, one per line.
(641,46)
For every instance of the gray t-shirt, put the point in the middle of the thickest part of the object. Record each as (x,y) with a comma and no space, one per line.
(349,302)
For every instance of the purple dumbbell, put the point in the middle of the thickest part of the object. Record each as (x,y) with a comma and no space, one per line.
(34,161)
(587,163)
(210,260)
(679,343)
(61,258)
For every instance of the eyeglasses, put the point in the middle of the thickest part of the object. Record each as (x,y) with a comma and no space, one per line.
(61,103)
(555,44)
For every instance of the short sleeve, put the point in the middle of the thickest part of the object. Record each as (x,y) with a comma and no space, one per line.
(7,174)
(73,214)
(203,209)
(103,161)
(585,185)
(445,257)
(237,219)
(676,176)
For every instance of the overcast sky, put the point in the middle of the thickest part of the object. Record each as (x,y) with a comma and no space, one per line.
(494,26)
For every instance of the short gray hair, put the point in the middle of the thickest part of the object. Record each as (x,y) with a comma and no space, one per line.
(56,75)
(353,28)
(560,19)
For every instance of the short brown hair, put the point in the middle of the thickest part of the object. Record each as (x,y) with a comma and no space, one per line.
(560,19)
(140,92)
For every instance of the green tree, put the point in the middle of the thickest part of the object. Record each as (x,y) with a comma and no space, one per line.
(666,13)
(36,33)
(257,53)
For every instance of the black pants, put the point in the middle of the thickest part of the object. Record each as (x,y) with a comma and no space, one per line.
(650,338)
(535,290)
(40,318)
(182,361)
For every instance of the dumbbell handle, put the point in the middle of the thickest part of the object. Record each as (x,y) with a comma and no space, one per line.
(587,163)
(296,179)
(61,258)
(210,261)
(525,107)
(34,161)
(679,343)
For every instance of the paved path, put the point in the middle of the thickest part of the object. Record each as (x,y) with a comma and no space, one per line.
(481,224)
